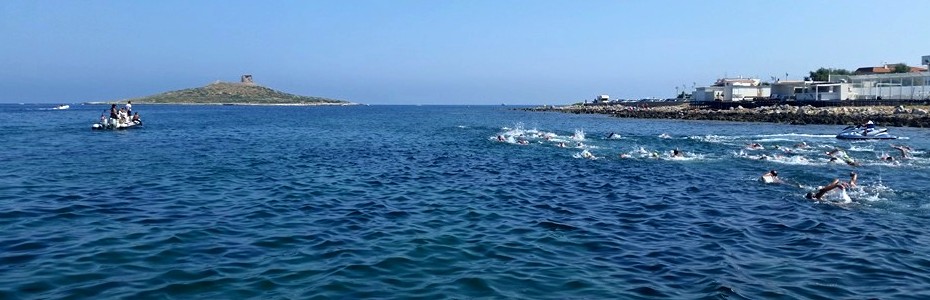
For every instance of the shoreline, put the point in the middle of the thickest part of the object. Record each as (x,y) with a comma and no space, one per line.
(900,116)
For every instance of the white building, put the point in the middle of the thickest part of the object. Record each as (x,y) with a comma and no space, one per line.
(732,89)
(902,86)
(788,89)
(826,91)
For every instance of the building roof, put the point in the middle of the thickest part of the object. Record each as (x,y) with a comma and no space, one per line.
(738,81)
(885,69)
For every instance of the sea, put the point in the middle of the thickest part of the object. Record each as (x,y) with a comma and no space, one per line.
(451,202)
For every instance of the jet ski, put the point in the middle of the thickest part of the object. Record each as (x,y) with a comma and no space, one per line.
(865,132)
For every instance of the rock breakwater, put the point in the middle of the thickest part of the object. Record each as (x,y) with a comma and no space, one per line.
(909,116)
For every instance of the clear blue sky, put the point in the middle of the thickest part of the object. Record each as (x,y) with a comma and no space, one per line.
(439,52)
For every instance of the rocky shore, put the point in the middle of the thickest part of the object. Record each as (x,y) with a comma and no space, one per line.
(909,116)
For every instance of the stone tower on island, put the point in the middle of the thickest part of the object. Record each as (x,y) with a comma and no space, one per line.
(246,79)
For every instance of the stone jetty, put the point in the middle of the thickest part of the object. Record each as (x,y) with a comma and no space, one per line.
(909,116)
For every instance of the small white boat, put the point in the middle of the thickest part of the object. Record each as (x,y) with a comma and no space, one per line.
(865,132)
(63,106)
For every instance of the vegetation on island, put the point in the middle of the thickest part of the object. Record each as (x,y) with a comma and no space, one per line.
(234,93)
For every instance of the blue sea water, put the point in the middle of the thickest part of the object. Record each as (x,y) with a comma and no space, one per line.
(424,202)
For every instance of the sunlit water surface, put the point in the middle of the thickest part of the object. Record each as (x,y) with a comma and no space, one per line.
(231,202)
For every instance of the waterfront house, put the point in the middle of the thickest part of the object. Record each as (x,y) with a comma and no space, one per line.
(732,89)
(789,89)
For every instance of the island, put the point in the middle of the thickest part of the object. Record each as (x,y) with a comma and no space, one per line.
(245,92)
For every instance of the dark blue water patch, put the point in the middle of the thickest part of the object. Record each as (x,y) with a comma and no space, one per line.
(423,202)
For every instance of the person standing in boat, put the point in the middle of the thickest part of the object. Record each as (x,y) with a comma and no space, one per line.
(124,116)
(114,114)
(128,108)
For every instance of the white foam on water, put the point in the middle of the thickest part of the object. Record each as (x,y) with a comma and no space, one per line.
(640,152)
(857,148)
(557,139)
(714,138)
(585,154)
(872,193)
(579,135)
(845,196)
(685,156)
(916,161)
(549,135)
(772,140)
(792,160)
(795,135)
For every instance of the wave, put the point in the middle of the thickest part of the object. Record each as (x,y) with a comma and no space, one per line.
(804,135)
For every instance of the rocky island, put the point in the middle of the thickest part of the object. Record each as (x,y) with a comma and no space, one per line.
(245,92)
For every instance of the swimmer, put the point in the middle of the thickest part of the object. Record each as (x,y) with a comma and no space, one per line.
(836,184)
(561,145)
(835,151)
(850,161)
(579,145)
(904,150)
(587,154)
(523,142)
(676,153)
(840,154)
(755,146)
(665,136)
(500,138)
(612,135)
(801,145)
(824,190)
(624,155)
(770,177)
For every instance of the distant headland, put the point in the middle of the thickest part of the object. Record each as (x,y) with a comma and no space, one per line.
(916,114)
(891,94)
(245,92)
